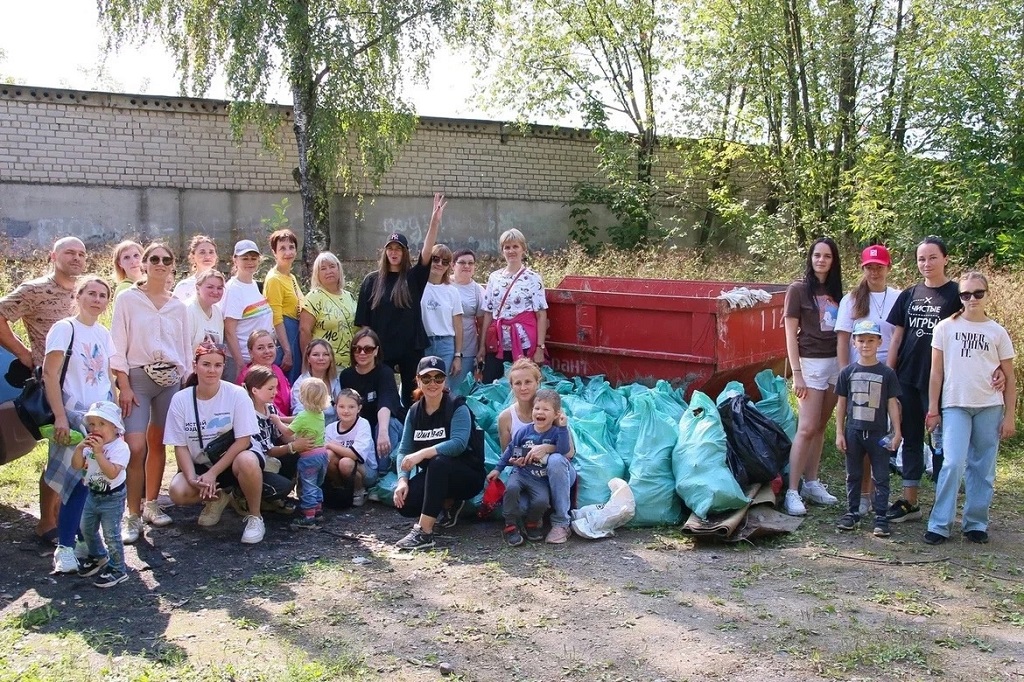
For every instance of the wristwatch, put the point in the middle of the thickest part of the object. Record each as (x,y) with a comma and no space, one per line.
(458,355)
(542,346)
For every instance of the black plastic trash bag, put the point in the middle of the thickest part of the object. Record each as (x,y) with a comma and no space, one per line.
(757,448)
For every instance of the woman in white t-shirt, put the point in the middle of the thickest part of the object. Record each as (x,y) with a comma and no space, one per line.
(202,255)
(441,310)
(245,308)
(205,320)
(967,348)
(206,408)
(472,295)
(87,380)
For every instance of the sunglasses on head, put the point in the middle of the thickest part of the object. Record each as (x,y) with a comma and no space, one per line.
(442,261)
(363,350)
(979,294)
(432,379)
(157,260)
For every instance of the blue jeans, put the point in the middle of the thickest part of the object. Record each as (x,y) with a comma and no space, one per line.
(291,329)
(105,512)
(444,348)
(312,469)
(561,476)
(389,462)
(970,441)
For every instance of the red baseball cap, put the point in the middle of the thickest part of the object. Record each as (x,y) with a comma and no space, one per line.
(875,255)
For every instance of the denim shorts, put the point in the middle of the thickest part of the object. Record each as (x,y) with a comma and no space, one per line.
(820,373)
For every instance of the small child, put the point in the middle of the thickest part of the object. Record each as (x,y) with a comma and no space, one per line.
(103,456)
(312,467)
(350,438)
(869,394)
(275,440)
(528,452)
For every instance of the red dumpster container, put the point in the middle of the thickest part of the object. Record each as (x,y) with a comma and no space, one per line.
(642,330)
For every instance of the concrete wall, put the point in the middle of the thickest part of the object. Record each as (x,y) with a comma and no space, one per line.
(105,166)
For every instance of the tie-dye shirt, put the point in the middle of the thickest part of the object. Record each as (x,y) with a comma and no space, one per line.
(244,302)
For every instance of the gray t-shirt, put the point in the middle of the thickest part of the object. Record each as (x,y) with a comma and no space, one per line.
(867,391)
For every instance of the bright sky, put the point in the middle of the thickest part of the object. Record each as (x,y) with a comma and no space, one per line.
(57,43)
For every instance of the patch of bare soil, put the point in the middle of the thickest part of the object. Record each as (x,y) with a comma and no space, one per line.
(646,605)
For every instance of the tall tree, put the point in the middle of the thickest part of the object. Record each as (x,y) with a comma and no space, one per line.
(344,62)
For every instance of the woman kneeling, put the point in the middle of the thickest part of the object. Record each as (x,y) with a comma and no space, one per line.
(207,408)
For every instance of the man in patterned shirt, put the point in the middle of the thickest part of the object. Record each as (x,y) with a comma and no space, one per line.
(38,303)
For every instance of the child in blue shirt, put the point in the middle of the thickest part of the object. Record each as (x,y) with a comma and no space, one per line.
(527,493)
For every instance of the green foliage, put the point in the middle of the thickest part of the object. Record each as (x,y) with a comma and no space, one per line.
(278,220)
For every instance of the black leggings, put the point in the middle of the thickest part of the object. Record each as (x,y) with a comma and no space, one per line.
(406,366)
(443,478)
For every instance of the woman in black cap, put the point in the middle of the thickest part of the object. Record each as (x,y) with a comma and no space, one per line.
(436,448)
(389,301)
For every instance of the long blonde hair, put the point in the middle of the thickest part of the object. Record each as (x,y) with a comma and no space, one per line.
(119,274)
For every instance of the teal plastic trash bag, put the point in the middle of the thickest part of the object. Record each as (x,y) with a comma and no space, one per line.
(669,400)
(486,413)
(600,393)
(774,402)
(650,471)
(733,388)
(596,463)
(629,431)
(385,489)
(699,465)
(662,387)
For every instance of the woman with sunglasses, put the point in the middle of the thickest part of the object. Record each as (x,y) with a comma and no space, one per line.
(389,301)
(328,311)
(967,348)
(151,337)
(441,308)
(318,362)
(472,295)
(435,463)
(376,384)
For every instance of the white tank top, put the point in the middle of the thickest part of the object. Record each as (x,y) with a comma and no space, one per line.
(517,423)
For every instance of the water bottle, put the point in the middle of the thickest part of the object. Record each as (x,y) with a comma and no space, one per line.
(886,441)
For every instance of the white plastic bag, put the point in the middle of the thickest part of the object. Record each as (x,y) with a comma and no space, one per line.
(600,520)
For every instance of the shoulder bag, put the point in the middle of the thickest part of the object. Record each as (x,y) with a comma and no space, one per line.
(216,448)
(32,407)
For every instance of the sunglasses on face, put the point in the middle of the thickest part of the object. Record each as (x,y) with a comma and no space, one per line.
(432,379)
(363,350)
(442,261)
(966,295)
(157,260)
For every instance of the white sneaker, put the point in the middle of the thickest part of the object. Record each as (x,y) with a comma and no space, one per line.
(254,530)
(816,493)
(794,505)
(865,506)
(154,515)
(131,528)
(81,550)
(210,516)
(64,560)
(359,497)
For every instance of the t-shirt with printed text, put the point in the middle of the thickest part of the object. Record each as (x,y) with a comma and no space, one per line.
(333,316)
(917,310)
(117,453)
(971,351)
(229,408)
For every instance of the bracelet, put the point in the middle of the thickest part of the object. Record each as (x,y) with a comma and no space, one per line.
(291,448)
(797,371)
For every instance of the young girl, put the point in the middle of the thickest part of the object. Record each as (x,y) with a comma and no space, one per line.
(350,446)
(312,465)
(127,265)
(812,304)
(275,440)
(441,308)
(103,456)
(205,320)
(285,298)
(966,349)
(245,308)
(262,349)
(202,256)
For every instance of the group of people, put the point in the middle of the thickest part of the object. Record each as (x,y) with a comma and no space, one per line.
(899,365)
(244,379)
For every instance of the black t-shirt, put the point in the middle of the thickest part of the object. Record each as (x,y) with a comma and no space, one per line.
(378,389)
(867,390)
(918,309)
(400,329)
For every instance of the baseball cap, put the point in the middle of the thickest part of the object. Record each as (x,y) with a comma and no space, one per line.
(246,246)
(866,327)
(399,238)
(107,411)
(875,255)
(429,364)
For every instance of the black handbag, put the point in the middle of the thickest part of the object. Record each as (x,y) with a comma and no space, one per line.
(216,448)
(32,407)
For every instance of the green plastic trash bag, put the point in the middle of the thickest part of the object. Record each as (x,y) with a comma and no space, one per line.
(385,489)
(702,475)
(774,402)
(650,470)
(596,463)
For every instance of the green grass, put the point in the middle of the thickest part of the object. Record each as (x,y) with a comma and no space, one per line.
(19,479)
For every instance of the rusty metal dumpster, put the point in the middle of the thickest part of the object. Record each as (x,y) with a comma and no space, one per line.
(642,330)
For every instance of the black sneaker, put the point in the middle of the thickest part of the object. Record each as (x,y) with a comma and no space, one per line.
(305,523)
(449,517)
(902,511)
(978,536)
(90,566)
(534,532)
(881,529)
(416,539)
(848,521)
(931,538)
(513,538)
(110,578)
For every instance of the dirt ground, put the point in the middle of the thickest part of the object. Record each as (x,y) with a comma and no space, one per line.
(646,605)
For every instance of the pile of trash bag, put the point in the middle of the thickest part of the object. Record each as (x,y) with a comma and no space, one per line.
(675,457)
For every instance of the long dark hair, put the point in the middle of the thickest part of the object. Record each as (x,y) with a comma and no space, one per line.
(401,297)
(365,333)
(833,284)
